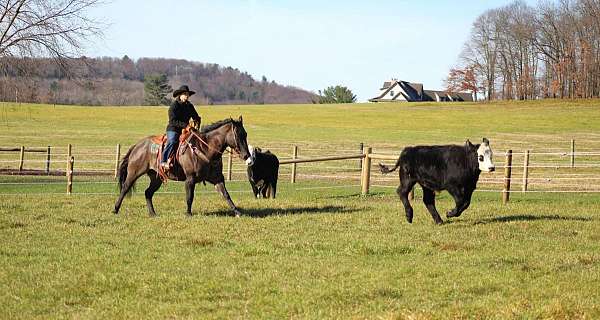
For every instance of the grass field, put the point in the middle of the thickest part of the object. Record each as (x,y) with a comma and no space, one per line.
(318,251)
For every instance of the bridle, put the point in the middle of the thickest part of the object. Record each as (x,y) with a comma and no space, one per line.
(200,154)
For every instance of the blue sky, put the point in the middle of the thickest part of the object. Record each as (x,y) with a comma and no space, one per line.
(309,44)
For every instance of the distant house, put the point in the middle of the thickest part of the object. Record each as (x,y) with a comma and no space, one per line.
(397,91)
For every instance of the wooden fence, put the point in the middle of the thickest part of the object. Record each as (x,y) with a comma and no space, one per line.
(364,160)
(22,151)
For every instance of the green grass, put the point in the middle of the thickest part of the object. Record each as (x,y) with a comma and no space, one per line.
(373,124)
(320,250)
(309,254)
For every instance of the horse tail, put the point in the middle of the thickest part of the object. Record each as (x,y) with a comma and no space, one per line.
(385,169)
(123,169)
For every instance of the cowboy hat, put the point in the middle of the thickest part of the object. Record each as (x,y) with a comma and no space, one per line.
(183,89)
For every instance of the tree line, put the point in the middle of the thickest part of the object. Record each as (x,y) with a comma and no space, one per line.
(520,52)
(120,81)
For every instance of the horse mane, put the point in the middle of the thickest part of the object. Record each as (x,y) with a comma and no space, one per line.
(215,125)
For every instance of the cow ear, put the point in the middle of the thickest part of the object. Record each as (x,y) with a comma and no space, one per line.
(486,141)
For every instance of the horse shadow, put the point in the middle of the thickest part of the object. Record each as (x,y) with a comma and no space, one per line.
(530,218)
(267,212)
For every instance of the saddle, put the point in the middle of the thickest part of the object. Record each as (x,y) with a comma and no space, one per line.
(173,160)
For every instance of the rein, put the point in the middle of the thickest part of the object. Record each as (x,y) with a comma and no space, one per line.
(194,149)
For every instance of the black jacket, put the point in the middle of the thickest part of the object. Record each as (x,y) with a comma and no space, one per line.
(180,114)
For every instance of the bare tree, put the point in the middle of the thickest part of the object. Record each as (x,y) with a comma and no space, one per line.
(57,29)
(481,52)
(551,50)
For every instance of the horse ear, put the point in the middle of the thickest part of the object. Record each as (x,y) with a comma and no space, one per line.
(468,143)
(240,119)
(486,141)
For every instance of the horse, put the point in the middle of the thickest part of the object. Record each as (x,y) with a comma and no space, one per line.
(200,160)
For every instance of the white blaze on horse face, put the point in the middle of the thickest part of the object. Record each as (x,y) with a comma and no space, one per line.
(484,158)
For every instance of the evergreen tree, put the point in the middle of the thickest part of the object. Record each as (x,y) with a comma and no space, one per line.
(156,90)
(337,94)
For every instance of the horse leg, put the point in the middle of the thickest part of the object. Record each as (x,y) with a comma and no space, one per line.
(220,187)
(155,183)
(129,181)
(429,200)
(190,186)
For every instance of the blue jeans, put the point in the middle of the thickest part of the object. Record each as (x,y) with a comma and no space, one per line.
(172,142)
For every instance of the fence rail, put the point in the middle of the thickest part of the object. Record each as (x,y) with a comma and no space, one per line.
(557,171)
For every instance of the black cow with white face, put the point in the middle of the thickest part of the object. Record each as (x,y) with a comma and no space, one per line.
(263,173)
(453,168)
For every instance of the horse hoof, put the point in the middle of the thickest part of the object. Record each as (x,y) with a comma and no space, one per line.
(237,214)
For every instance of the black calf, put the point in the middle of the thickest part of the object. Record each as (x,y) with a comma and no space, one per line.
(453,168)
(263,173)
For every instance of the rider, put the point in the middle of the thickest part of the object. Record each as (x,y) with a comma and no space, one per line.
(180,112)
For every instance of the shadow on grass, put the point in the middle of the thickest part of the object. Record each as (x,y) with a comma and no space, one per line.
(267,212)
(530,217)
(356,195)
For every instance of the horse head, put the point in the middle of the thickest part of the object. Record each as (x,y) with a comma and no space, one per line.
(236,140)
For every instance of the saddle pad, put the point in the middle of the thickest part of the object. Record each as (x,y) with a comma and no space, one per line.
(159,139)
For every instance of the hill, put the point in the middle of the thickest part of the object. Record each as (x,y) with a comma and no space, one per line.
(118,82)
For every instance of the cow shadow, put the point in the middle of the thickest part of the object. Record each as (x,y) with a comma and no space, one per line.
(267,212)
(529,218)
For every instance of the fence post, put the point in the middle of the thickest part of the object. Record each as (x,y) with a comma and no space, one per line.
(366,172)
(21,158)
(117,158)
(48,161)
(229,166)
(572,153)
(507,177)
(525,171)
(294,157)
(70,175)
(69,154)
(360,161)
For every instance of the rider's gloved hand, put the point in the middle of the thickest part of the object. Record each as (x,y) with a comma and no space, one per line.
(196,124)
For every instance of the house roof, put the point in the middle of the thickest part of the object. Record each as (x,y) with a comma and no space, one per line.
(401,93)
(463,96)
(387,90)
(429,95)
(386,85)
(414,92)
(418,87)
